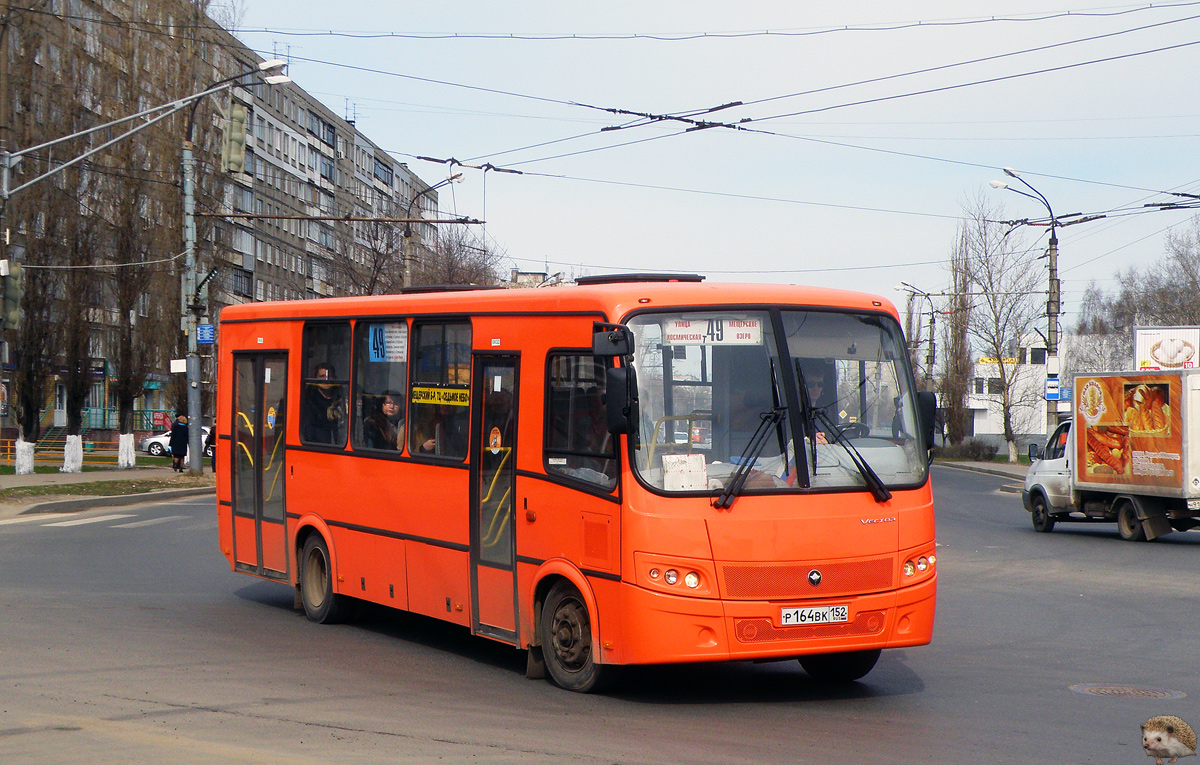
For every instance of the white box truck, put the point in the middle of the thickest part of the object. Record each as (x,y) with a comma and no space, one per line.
(1127,454)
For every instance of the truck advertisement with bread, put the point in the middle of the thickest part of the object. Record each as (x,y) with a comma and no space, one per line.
(1126,455)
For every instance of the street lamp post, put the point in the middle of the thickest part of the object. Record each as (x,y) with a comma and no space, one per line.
(931,356)
(1052,300)
(408,246)
(191,305)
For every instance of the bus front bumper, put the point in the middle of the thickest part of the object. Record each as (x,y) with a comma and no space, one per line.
(663,629)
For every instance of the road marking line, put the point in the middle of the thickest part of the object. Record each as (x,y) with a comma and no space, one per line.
(34,517)
(148,522)
(97,519)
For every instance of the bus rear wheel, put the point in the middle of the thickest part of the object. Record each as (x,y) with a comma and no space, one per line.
(321,604)
(565,631)
(839,667)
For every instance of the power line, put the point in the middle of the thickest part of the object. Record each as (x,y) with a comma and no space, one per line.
(691,36)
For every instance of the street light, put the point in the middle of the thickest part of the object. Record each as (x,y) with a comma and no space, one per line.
(931,358)
(1052,300)
(407,248)
(190,303)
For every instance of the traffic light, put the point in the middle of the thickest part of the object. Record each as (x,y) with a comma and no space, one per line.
(233,145)
(14,288)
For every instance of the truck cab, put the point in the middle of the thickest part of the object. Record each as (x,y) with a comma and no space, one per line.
(1047,489)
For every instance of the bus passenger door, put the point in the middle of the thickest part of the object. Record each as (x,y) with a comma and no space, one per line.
(259,515)
(493,484)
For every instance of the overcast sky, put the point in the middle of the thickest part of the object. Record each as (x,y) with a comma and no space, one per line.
(869,125)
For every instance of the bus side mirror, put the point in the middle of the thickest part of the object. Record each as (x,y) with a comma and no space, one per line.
(927,415)
(620,399)
(1035,452)
(610,340)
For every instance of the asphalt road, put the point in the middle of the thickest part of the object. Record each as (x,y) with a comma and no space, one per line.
(127,639)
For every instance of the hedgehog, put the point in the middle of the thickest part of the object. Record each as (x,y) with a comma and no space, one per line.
(1167,736)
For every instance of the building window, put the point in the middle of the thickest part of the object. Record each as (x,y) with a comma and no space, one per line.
(384,172)
(995,386)
(241,282)
(979,385)
(1037,355)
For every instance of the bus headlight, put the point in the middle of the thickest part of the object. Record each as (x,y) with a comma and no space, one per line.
(654,573)
(910,569)
(671,577)
(692,580)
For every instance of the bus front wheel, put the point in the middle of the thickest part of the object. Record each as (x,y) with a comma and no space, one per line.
(565,631)
(321,604)
(839,667)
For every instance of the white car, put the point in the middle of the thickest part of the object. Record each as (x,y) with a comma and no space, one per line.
(157,446)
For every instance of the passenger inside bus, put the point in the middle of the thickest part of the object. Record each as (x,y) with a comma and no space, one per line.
(446,435)
(324,409)
(383,427)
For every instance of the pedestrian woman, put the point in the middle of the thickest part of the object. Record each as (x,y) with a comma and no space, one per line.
(179,443)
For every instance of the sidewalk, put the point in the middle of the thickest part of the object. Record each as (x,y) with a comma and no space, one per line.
(1006,469)
(63,503)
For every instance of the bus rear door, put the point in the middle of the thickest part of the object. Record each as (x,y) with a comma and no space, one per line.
(259,515)
(493,485)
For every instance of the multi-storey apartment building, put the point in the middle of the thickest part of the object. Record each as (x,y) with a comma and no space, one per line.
(73,64)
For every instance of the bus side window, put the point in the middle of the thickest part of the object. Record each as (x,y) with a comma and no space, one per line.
(326,378)
(381,382)
(577,442)
(439,397)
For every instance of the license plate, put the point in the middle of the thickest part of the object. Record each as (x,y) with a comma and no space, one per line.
(790,617)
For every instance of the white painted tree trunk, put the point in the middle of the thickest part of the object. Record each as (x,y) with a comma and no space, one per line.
(126,454)
(24,457)
(72,455)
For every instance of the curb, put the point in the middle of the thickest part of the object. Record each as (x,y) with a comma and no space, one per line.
(989,471)
(69,505)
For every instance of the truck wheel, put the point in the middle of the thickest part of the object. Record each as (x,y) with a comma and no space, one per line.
(1043,521)
(1128,525)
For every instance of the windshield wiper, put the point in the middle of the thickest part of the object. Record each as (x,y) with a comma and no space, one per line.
(750,454)
(870,477)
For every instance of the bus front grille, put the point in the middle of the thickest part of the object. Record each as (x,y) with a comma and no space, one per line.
(792,581)
(763,631)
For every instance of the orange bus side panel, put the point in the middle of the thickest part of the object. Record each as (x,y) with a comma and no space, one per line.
(439,582)
(356,571)
(496,598)
(392,572)
(569,524)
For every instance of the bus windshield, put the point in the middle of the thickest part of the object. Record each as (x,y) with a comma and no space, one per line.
(710,380)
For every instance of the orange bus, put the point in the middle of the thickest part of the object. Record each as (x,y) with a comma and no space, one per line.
(636,469)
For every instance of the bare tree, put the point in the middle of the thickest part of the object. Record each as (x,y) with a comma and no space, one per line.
(1102,340)
(75,310)
(1004,277)
(37,216)
(370,254)
(458,256)
(955,383)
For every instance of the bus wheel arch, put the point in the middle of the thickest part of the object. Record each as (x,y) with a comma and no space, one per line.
(566,632)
